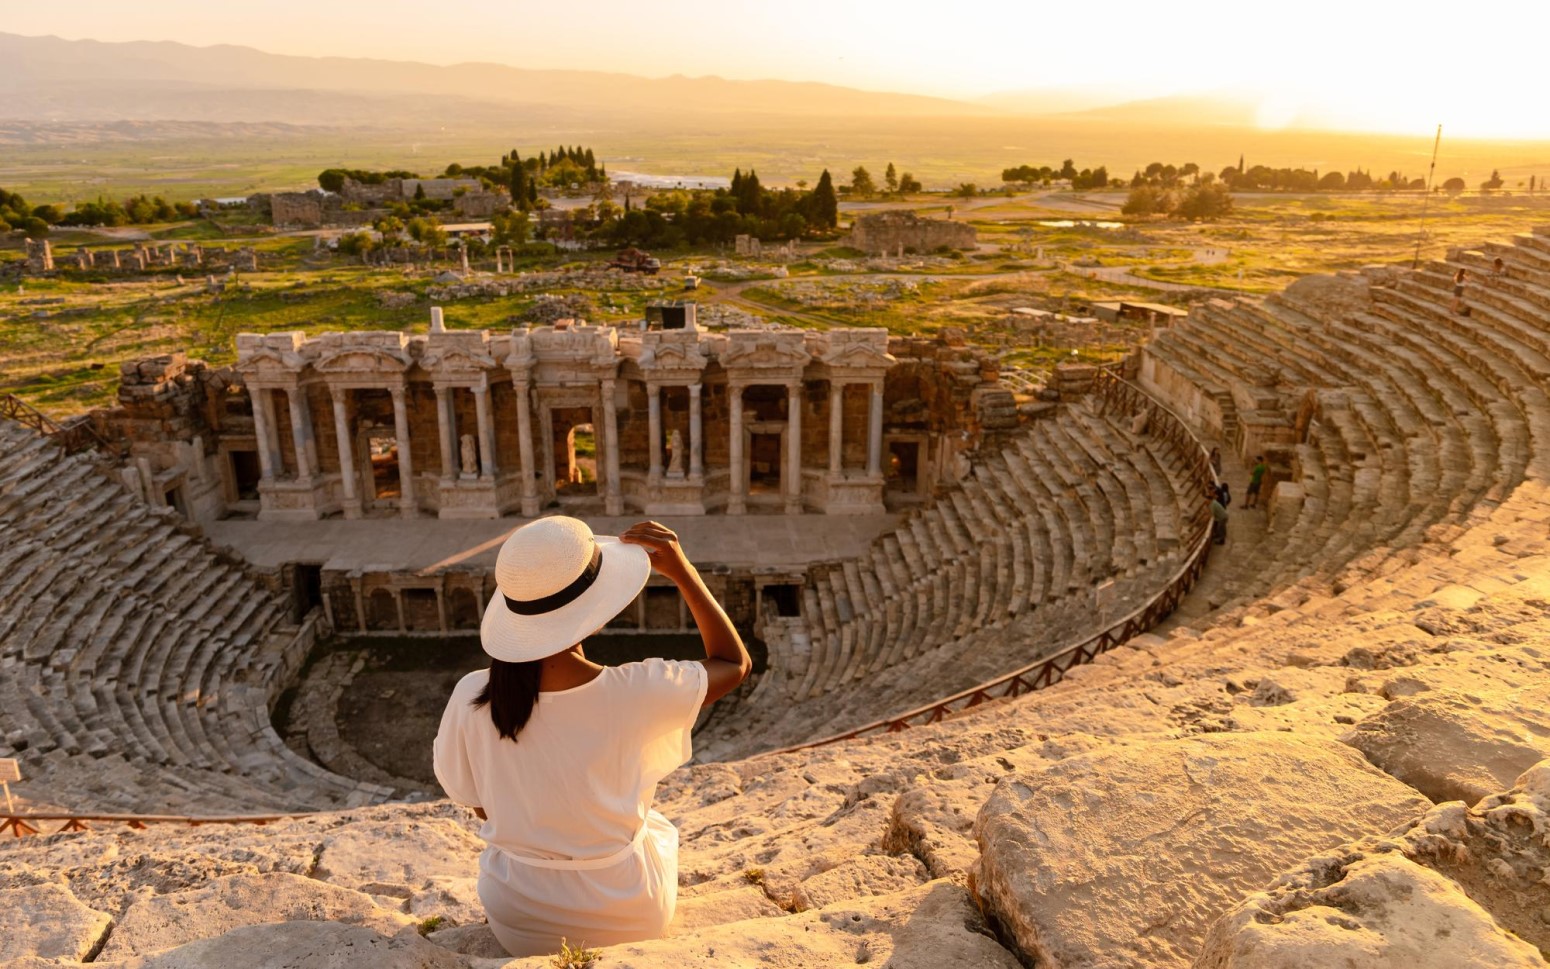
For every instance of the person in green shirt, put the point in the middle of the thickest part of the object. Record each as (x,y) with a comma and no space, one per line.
(1256,479)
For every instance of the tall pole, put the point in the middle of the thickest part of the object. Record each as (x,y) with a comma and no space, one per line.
(1431,175)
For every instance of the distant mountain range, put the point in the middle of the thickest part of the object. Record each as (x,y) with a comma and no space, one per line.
(51,80)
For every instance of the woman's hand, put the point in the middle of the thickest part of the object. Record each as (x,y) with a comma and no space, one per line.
(661,544)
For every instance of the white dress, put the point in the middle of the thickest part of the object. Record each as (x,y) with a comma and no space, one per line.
(574,849)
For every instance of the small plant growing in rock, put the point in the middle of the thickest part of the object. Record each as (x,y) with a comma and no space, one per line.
(574,957)
(755,876)
(430,925)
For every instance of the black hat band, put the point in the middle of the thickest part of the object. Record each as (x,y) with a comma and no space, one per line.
(567,595)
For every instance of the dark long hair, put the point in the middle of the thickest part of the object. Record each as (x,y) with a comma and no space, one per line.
(512,692)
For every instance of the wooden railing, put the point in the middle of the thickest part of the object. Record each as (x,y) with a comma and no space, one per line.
(76,435)
(1116,394)
(24,824)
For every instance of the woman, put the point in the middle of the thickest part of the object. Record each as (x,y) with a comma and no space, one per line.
(561,757)
(1459,278)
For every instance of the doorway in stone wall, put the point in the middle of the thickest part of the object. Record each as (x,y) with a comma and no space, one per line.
(764,463)
(245,474)
(575,450)
(383,455)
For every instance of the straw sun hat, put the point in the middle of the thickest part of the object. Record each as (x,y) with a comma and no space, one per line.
(557,584)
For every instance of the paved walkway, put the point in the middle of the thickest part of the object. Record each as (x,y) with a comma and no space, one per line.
(775,542)
(1231,564)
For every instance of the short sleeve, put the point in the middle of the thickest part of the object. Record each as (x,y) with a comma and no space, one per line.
(449,754)
(666,696)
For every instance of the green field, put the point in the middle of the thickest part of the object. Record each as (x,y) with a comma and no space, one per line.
(62,338)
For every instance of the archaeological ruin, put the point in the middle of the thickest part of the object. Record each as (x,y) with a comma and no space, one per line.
(897,233)
(1011,705)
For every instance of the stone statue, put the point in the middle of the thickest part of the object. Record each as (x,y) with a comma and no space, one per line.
(675,450)
(470,455)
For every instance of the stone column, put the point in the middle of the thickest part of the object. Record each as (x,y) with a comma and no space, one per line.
(836,427)
(794,448)
(486,432)
(303,441)
(696,435)
(874,443)
(446,429)
(613,501)
(735,502)
(405,462)
(525,450)
(263,432)
(346,452)
(654,429)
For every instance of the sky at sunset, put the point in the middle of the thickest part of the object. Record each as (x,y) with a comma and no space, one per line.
(1477,69)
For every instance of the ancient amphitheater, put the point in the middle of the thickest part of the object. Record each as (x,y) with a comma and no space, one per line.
(1013,707)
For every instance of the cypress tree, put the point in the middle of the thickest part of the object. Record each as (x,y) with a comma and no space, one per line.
(519,185)
(826,205)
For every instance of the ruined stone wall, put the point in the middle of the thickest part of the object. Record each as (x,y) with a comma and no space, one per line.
(296,209)
(890,232)
(169,415)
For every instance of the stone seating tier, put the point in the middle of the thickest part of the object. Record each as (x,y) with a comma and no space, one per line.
(143,685)
(997,572)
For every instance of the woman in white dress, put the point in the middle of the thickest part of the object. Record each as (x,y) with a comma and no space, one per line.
(560,756)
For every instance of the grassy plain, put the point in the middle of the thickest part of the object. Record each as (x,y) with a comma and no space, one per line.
(61,338)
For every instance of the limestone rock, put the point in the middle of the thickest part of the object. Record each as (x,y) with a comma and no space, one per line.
(718,908)
(1453,745)
(157,922)
(303,945)
(353,856)
(49,922)
(928,927)
(1125,856)
(1380,912)
(470,940)
(454,900)
(1458,886)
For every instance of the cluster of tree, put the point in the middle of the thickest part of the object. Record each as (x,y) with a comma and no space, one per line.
(36,221)
(332,179)
(862,185)
(1086,178)
(1263,178)
(1206,199)
(561,167)
(746,207)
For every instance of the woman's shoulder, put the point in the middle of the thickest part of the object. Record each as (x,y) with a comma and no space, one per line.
(656,670)
(471,684)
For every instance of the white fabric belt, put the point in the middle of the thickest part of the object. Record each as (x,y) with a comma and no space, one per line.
(581,864)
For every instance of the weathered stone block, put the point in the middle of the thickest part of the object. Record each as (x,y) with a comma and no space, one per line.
(1126,856)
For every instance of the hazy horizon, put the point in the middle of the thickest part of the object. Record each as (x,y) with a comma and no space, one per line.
(1337,67)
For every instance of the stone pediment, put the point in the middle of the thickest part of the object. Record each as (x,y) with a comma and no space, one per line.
(267,361)
(443,360)
(672,356)
(364,360)
(858,356)
(768,354)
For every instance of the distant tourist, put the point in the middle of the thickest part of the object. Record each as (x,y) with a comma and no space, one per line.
(1216,461)
(1256,479)
(1498,268)
(1458,292)
(1218,517)
(1224,493)
(560,756)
